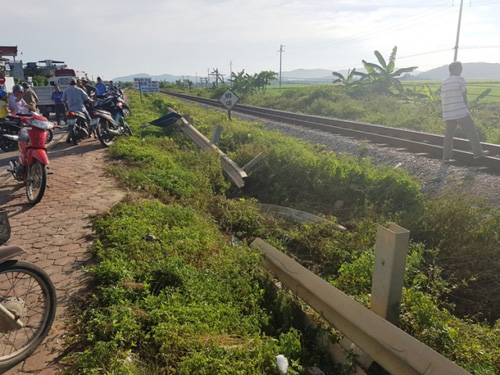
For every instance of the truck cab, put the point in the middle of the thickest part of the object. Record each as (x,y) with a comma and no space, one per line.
(63,76)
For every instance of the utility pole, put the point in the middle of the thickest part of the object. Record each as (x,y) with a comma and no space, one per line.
(458,30)
(281,59)
(218,76)
(231,72)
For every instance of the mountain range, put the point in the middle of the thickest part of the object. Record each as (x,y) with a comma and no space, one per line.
(470,71)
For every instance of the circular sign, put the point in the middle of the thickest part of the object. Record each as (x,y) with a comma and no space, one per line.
(2,79)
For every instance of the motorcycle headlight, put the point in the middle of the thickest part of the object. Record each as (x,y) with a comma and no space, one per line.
(41,124)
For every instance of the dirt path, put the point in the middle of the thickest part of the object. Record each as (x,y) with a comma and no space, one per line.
(57,232)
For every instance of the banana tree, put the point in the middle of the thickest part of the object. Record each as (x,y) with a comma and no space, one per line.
(348,80)
(474,104)
(383,75)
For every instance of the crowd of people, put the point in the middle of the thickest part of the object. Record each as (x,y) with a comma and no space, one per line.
(23,98)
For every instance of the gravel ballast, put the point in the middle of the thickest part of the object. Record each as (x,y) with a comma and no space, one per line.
(434,175)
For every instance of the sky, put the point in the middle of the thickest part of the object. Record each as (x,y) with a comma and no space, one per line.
(113,38)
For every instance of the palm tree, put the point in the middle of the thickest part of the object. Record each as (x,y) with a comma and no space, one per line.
(383,75)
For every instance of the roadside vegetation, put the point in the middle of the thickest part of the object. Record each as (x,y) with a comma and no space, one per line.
(377,96)
(177,290)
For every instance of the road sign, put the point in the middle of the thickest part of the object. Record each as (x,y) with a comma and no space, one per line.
(228,99)
(2,79)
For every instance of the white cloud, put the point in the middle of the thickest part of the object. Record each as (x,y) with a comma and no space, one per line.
(121,37)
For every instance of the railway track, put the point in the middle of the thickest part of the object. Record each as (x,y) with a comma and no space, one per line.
(417,142)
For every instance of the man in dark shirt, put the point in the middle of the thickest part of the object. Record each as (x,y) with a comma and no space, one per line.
(87,87)
(59,105)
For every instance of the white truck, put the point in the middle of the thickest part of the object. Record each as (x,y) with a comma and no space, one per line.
(46,105)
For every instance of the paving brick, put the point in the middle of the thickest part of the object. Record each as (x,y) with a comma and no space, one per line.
(57,233)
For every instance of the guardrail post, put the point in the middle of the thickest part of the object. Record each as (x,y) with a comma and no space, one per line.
(216,135)
(389,271)
(252,163)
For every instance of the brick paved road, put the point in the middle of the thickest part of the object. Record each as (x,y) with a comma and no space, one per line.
(57,231)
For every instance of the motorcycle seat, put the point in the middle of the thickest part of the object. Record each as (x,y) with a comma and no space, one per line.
(78,113)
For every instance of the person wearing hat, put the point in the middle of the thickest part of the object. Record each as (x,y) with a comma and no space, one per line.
(30,96)
(100,89)
(87,87)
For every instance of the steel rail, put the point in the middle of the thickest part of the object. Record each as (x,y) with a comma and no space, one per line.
(419,142)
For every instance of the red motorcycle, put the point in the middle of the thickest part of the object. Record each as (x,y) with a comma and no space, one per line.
(31,165)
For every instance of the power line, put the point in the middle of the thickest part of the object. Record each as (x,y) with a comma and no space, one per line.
(418,20)
(435,12)
(425,53)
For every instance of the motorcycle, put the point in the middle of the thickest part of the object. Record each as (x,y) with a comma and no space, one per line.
(81,127)
(31,165)
(27,302)
(11,125)
(107,128)
(115,105)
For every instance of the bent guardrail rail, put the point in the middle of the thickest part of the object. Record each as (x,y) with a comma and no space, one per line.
(230,168)
(393,349)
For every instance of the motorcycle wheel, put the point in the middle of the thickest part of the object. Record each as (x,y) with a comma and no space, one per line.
(126,111)
(29,292)
(103,135)
(73,135)
(50,136)
(7,145)
(36,182)
(128,131)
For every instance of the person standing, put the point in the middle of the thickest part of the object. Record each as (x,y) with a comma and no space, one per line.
(75,98)
(59,105)
(87,87)
(455,112)
(30,96)
(100,89)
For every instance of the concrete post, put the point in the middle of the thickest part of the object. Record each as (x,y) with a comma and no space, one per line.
(389,271)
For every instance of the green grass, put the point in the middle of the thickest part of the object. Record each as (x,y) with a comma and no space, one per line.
(474,88)
(178,291)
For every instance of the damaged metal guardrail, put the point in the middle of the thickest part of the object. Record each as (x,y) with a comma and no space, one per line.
(234,173)
(393,349)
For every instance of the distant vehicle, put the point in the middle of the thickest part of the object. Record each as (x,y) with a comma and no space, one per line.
(61,77)
(8,84)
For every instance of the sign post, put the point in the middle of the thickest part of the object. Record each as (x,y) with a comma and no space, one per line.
(228,100)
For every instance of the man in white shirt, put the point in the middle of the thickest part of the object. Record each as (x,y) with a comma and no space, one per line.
(455,112)
(17,105)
